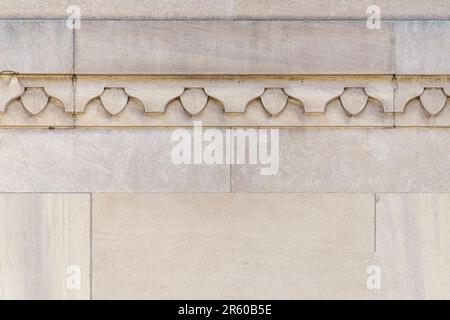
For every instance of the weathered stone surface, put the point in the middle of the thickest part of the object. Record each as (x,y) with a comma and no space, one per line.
(45,245)
(225,9)
(232,246)
(413,245)
(315,47)
(36,47)
(354,160)
(117,9)
(233,47)
(100,160)
(341,9)
(422,47)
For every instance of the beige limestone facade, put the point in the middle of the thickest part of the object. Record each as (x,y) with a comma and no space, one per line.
(94,206)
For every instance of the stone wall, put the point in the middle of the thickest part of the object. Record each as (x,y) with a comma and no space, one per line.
(92,205)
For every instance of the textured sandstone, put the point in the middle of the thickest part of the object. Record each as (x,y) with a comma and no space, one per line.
(232,246)
(45,240)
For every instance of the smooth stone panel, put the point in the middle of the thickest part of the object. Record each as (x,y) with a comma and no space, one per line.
(233,47)
(341,9)
(225,9)
(232,246)
(118,9)
(124,160)
(354,160)
(45,246)
(413,245)
(36,47)
(422,47)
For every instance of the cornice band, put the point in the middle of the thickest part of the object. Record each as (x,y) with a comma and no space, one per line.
(294,101)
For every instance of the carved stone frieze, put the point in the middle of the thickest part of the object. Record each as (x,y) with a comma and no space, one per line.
(109,101)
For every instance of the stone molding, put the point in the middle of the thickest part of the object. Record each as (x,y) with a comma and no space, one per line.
(148,101)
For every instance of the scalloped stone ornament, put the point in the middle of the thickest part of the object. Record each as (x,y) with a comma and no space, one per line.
(10,89)
(62,90)
(86,91)
(354,100)
(236,97)
(447,90)
(274,100)
(114,100)
(433,100)
(315,96)
(155,99)
(34,100)
(194,100)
